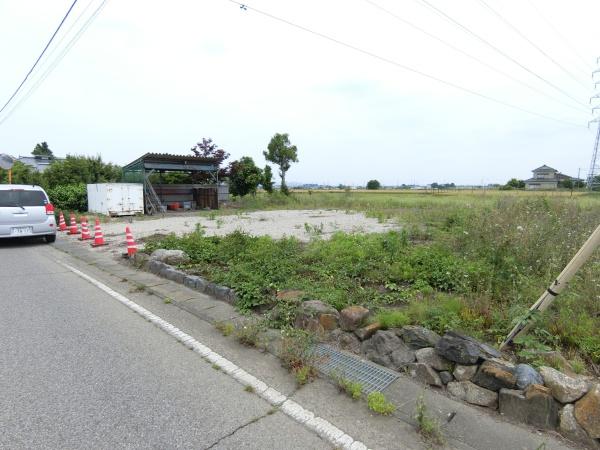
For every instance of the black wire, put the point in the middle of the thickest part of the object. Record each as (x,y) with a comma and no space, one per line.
(475,58)
(395,63)
(489,44)
(39,57)
(533,44)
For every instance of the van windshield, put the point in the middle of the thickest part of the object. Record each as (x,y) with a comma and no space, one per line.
(20,197)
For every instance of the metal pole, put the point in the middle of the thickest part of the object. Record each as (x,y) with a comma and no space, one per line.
(558,285)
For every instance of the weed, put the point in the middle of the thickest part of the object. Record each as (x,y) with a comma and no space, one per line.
(427,426)
(304,374)
(216,366)
(167,300)
(353,388)
(249,389)
(138,288)
(249,332)
(220,223)
(124,280)
(578,366)
(377,402)
(272,411)
(226,328)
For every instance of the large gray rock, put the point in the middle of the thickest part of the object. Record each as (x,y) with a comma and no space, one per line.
(424,374)
(316,316)
(366,332)
(536,406)
(564,388)
(418,337)
(352,317)
(387,349)
(430,357)
(172,257)
(446,377)
(344,341)
(570,428)
(471,393)
(464,349)
(465,373)
(527,375)
(495,374)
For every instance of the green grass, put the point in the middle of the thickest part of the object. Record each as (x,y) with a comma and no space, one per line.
(467,261)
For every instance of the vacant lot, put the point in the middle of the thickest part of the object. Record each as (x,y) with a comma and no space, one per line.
(468,261)
(300,224)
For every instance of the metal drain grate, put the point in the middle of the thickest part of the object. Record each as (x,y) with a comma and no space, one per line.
(370,375)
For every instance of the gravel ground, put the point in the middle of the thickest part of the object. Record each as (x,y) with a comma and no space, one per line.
(302,224)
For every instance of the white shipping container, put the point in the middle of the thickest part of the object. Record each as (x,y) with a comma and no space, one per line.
(116,199)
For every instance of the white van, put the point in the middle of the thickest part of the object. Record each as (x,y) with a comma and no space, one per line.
(26,211)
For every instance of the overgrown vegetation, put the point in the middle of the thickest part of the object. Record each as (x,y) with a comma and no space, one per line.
(467,262)
(296,354)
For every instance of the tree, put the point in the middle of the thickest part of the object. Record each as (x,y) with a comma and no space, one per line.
(267,181)
(281,152)
(80,169)
(567,184)
(21,174)
(515,184)
(42,150)
(208,149)
(373,185)
(244,176)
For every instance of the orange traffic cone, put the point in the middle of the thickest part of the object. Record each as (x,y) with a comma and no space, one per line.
(85,231)
(73,229)
(62,225)
(131,247)
(98,237)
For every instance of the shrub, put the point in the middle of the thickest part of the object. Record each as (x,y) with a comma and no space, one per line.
(71,197)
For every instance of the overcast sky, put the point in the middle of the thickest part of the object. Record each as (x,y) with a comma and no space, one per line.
(157,76)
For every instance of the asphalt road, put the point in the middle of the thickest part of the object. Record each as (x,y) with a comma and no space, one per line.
(80,370)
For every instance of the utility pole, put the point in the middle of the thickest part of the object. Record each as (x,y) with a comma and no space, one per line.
(594,172)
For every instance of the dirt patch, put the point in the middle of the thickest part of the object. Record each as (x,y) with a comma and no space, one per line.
(302,224)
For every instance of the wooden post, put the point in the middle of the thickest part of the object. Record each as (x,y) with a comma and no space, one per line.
(9,176)
(558,285)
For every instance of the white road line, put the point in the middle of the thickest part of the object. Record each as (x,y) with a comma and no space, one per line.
(289,407)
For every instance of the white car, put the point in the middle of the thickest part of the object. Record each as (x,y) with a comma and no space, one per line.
(26,211)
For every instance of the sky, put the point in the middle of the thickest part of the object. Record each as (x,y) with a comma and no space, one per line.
(156,76)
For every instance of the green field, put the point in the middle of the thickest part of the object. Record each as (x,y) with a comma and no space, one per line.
(472,261)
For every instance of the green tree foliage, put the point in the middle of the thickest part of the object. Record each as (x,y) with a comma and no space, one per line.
(80,169)
(281,152)
(267,181)
(244,176)
(515,184)
(69,197)
(42,150)
(21,174)
(373,185)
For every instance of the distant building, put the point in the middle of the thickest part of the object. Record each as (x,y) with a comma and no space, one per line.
(39,163)
(545,177)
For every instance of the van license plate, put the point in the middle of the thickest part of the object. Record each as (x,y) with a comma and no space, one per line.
(20,231)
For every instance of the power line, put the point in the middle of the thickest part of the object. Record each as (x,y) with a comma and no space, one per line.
(475,58)
(41,54)
(489,44)
(246,7)
(60,57)
(560,35)
(533,44)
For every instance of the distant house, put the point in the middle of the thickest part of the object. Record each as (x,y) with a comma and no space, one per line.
(546,177)
(39,163)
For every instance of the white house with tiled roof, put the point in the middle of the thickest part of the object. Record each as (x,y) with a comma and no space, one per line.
(545,177)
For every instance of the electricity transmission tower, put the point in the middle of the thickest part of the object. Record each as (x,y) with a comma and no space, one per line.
(593,178)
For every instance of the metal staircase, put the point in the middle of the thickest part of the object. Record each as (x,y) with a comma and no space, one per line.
(152,203)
